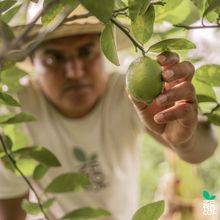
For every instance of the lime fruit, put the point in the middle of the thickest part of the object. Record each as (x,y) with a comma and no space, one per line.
(144,79)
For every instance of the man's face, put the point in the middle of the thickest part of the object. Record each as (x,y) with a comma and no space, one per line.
(71,74)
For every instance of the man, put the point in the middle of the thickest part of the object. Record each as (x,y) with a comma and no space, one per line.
(80,107)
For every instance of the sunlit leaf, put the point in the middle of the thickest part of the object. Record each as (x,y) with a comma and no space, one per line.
(102,9)
(209,74)
(57,9)
(198,3)
(6,17)
(119,4)
(39,171)
(8,99)
(33,208)
(40,154)
(87,213)
(151,211)
(108,44)
(17,118)
(68,182)
(213,5)
(142,27)
(172,44)
(5,5)
(214,117)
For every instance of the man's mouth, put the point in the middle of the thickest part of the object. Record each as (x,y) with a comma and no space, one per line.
(76,87)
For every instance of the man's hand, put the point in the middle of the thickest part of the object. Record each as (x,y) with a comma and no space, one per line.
(173,114)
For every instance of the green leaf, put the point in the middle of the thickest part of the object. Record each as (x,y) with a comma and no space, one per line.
(57,9)
(209,74)
(204,92)
(119,4)
(68,182)
(6,33)
(6,17)
(79,154)
(198,3)
(172,44)
(108,44)
(6,64)
(8,99)
(33,208)
(214,117)
(151,211)
(8,143)
(17,118)
(86,213)
(40,171)
(5,5)
(11,77)
(206,195)
(137,7)
(40,154)
(102,9)
(213,5)
(142,27)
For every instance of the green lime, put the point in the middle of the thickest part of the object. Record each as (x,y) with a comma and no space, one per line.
(144,79)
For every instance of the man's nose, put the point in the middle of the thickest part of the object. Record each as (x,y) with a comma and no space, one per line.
(74,68)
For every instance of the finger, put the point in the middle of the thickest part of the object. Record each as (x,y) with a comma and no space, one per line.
(167,58)
(183,91)
(185,111)
(141,106)
(184,70)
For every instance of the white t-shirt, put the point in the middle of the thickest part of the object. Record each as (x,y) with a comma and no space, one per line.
(110,132)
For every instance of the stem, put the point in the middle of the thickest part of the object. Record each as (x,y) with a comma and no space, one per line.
(196,27)
(126,32)
(75,17)
(11,159)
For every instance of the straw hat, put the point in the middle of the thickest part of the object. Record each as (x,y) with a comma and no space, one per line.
(88,25)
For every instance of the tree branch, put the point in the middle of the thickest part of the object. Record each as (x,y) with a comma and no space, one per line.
(75,17)
(127,33)
(13,162)
(196,27)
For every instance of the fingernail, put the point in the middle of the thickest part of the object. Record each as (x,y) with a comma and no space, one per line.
(159,117)
(161,58)
(161,99)
(168,74)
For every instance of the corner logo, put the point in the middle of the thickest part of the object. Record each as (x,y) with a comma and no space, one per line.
(209,205)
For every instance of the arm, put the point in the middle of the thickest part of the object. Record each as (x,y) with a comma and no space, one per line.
(172,118)
(11,209)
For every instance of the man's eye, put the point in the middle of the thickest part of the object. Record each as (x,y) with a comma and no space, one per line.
(85,52)
(52,59)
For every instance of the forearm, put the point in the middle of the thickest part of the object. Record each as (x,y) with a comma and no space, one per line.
(200,146)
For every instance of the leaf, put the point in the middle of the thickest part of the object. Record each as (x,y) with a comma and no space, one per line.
(213,5)
(79,154)
(206,195)
(119,4)
(198,3)
(11,77)
(137,7)
(57,9)
(5,5)
(18,118)
(33,208)
(6,64)
(172,44)
(6,33)
(151,211)
(209,74)
(8,99)
(68,182)
(102,9)
(86,213)
(39,171)
(214,117)
(40,154)
(8,143)
(6,17)
(142,27)
(204,92)
(108,44)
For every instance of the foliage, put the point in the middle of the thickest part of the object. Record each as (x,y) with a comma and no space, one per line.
(138,20)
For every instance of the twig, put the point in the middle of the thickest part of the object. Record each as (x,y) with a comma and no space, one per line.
(158,3)
(75,17)
(11,159)
(126,32)
(196,27)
